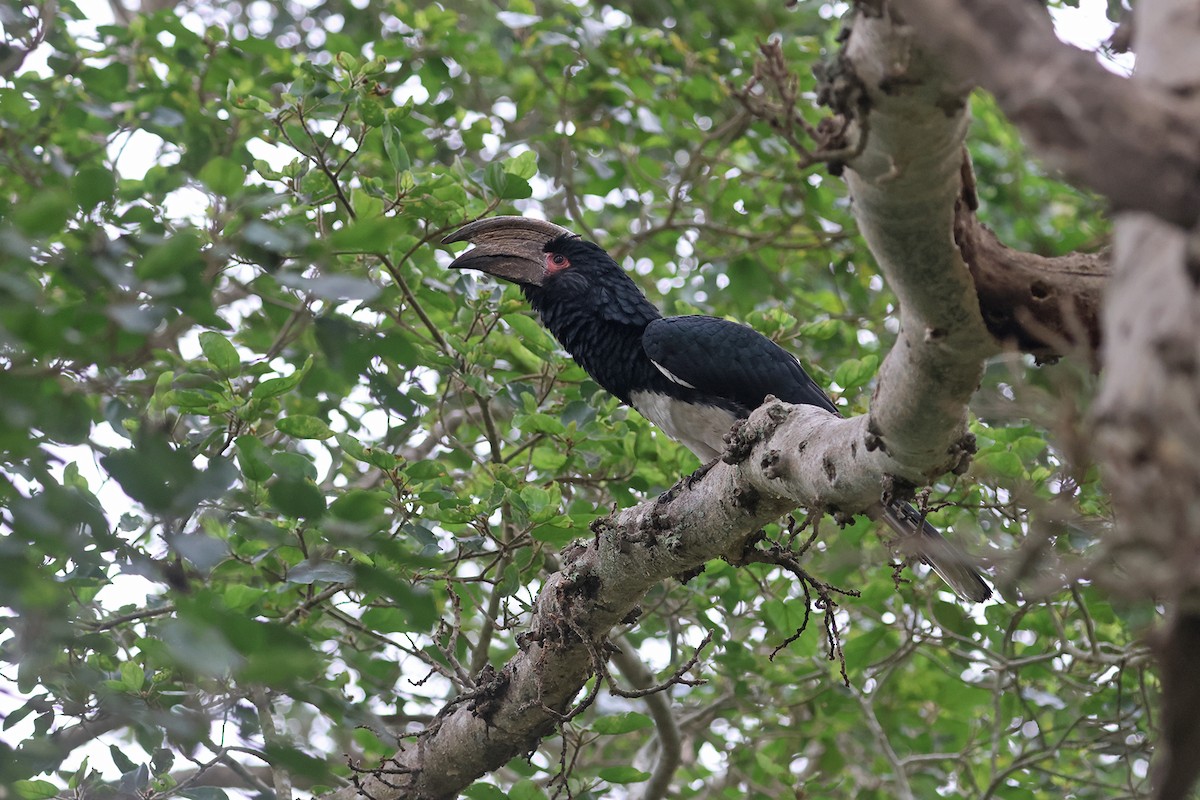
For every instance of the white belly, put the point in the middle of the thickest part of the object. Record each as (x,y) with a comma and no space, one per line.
(700,429)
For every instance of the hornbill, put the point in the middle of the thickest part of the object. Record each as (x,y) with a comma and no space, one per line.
(692,376)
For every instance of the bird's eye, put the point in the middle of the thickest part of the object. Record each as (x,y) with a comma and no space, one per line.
(556,262)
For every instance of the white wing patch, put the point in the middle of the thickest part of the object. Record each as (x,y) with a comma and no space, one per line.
(699,428)
(672,377)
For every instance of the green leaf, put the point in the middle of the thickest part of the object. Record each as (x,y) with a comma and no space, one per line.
(369,235)
(133,676)
(273,387)
(276,386)
(523,165)
(297,497)
(93,186)
(548,459)
(504,184)
(532,334)
(303,426)
(371,455)
(161,761)
(415,610)
(201,550)
(393,146)
(484,791)
(622,774)
(542,423)
(253,458)
(35,790)
(121,761)
(353,447)
(202,401)
(163,478)
(221,353)
(859,647)
(77,778)
(622,723)
(555,534)
(855,372)
(785,616)
(1004,463)
(293,465)
(822,330)
(386,620)
(359,505)
(174,256)
(536,499)
(239,597)
(224,176)
(44,213)
(526,790)
(382,458)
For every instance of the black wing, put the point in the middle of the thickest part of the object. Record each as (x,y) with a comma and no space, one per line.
(730,361)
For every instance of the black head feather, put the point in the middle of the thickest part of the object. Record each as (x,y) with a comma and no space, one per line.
(596,312)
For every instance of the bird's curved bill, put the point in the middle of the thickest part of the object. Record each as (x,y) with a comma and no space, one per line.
(512,248)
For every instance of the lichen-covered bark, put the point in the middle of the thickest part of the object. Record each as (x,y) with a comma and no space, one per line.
(904,186)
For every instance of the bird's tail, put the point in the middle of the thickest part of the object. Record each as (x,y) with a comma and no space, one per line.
(921,539)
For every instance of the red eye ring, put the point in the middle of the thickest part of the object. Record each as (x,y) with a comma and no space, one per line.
(556,262)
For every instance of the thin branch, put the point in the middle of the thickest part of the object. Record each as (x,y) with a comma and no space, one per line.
(133,616)
(666,728)
(903,789)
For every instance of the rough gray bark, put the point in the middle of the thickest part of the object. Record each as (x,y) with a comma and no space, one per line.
(784,456)
(1047,306)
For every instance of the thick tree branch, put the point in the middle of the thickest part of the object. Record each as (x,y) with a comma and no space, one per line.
(1047,306)
(599,585)
(1103,131)
(53,748)
(1133,140)
(905,185)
